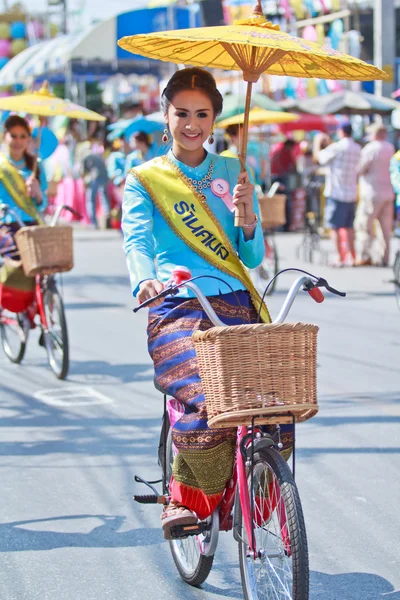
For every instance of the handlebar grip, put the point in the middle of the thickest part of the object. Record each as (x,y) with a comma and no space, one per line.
(180,275)
(316,295)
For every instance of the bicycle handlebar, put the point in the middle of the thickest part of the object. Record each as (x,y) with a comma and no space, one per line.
(5,209)
(181,277)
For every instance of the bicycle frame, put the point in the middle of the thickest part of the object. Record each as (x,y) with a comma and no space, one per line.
(39,301)
(236,486)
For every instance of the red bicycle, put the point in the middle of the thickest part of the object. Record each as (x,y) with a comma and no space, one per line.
(261,503)
(46,310)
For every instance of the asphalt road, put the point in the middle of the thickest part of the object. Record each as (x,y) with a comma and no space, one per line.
(69,450)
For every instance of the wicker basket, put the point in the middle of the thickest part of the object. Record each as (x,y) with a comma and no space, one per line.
(272,210)
(45,250)
(268,371)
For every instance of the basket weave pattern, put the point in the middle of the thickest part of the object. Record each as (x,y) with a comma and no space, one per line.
(258,370)
(45,250)
(272,211)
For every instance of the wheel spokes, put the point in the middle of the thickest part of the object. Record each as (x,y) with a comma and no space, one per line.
(270,574)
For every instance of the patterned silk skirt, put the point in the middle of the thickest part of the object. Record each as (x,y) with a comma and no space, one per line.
(204,462)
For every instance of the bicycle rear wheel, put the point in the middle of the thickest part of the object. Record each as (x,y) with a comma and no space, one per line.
(193,566)
(280,571)
(13,336)
(269,266)
(56,337)
(396,273)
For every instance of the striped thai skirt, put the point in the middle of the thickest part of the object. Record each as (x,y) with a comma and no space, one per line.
(204,462)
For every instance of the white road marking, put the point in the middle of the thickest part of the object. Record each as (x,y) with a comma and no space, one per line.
(72,396)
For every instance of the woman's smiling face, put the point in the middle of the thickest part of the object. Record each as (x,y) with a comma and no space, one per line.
(17,139)
(190,119)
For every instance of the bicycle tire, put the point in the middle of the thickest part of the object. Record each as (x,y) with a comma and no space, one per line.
(291,573)
(396,273)
(269,266)
(14,355)
(196,573)
(52,301)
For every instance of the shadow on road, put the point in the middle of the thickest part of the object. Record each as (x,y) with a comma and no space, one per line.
(97,435)
(346,586)
(88,280)
(351,586)
(100,371)
(24,536)
(92,305)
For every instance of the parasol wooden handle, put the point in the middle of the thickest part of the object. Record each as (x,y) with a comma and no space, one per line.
(239,215)
(239,209)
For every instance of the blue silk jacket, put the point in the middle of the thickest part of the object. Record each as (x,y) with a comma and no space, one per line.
(153,249)
(7,199)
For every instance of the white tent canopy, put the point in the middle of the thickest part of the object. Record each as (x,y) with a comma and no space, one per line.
(54,55)
(94,52)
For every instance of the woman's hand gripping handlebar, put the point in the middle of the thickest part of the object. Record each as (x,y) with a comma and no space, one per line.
(181,277)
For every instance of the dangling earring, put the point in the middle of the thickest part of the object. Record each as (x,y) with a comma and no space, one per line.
(211,138)
(165,137)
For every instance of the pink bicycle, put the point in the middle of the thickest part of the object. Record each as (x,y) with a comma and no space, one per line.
(261,503)
(46,309)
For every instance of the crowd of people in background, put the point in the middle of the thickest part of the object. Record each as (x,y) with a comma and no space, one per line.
(359,180)
(359,183)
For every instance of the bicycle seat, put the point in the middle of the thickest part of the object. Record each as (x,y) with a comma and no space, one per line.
(159,388)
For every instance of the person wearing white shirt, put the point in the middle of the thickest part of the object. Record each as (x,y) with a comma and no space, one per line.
(341,160)
(376,194)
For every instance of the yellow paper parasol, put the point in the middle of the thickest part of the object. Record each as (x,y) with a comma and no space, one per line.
(259,116)
(254,46)
(45,104)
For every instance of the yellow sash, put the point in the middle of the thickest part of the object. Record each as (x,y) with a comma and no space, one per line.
(193,221)
(15,186)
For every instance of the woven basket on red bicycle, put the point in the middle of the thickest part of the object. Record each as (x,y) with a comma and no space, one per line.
(45,249)
(272,211)
(263,370)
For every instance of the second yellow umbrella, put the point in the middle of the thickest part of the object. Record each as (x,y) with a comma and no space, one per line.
(45,104)
(259,116)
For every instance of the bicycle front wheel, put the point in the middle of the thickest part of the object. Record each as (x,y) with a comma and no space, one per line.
(396,273)
(280,569)
(269,266)
(56,337)
(193,566)
(13,336)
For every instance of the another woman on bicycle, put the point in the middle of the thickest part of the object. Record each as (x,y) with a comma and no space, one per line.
(22,185)
(177,210)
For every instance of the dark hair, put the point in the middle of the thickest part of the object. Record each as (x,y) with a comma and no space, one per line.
(232,130)
(16,121)
(289,143)
(129,105)
(141,136)
(192,78)
(347,129)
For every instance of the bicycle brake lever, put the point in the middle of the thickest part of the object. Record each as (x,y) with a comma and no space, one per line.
(168,291)
(323,283)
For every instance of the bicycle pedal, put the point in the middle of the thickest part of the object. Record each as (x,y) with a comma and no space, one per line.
(183,531)
(150,499)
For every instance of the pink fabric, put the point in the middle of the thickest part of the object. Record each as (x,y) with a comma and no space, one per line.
(72,193)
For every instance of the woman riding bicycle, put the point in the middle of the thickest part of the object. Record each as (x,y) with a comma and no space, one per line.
(22,185)
(23,190)
(177,209)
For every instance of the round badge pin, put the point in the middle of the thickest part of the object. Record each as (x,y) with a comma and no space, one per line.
(220,188)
